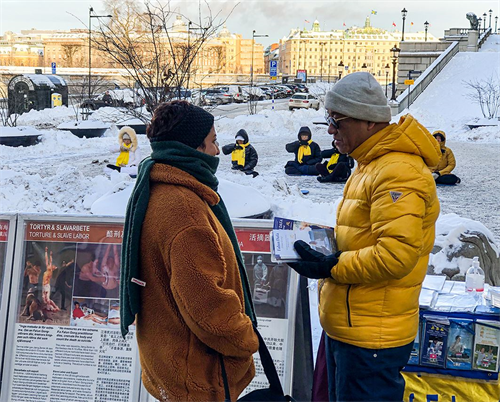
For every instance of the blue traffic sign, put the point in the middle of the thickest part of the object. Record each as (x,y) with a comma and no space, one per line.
(273,68)
(53,65)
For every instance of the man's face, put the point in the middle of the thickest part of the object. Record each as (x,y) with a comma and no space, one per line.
(350,134)
(304,137)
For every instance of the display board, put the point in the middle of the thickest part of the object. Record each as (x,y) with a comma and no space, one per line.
(274,291)
(63,333)
(7,239)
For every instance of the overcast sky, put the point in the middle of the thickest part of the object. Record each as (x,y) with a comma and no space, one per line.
(274,18)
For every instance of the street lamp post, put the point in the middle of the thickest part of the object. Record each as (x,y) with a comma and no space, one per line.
(426,25)
(387,68)
(91,10)
(496,21)
(322,45)
(395,54)
(484,20)
(479,20)
(403,14)
(251,67)
(490,11)
(341,67)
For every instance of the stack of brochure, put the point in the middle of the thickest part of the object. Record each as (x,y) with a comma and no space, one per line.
(287,231)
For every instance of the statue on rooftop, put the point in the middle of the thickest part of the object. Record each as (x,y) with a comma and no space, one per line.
(473,21)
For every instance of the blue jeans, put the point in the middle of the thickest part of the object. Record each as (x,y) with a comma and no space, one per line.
(359,374)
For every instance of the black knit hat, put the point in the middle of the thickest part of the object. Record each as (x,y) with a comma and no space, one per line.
(191,130)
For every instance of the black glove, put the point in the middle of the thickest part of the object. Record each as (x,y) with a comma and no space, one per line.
(314,264)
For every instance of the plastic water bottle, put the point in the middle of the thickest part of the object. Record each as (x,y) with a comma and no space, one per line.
(474,279)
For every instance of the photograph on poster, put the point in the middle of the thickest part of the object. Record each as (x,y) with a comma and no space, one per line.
(47,283)
(98,271)
(268,283)
(114,314)
(89,312)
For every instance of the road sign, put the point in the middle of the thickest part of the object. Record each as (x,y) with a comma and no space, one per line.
(53,65)
(274,78)
(273,68)
(409,82)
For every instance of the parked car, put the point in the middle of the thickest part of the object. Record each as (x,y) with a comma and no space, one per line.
(300,100)
(236,92)
(294,88)
(302,88)
(217,97)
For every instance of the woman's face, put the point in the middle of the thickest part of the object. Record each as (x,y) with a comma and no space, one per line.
(210,146)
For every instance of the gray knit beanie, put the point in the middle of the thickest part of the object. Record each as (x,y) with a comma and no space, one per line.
(359,95)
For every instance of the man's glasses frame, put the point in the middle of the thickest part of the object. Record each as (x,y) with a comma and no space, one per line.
(333,121)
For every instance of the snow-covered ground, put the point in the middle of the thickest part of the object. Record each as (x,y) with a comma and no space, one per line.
(58,174)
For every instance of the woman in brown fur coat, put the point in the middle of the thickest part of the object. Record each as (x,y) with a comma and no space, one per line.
(188,287)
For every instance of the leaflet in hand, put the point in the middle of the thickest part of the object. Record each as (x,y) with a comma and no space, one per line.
(287,231)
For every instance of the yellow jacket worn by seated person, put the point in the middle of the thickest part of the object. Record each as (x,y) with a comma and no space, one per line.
(447,162)
(385,229)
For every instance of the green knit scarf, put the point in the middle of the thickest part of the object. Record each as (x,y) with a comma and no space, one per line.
(202,167)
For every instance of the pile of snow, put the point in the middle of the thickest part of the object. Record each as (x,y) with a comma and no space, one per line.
(47,118)
(449,229)
(19,131)
(83,124)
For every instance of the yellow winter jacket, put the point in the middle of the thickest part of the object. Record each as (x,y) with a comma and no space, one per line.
(385,228)
(447,162)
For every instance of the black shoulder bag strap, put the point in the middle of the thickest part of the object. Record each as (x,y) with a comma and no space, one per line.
(267,364)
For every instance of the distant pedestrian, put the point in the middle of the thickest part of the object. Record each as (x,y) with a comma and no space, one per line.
(243,155)
(307,154)
(442,172)
(107,99)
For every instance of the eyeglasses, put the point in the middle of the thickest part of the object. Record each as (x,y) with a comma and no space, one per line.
(333,121)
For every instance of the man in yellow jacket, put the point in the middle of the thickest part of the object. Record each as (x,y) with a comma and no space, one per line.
(368,297)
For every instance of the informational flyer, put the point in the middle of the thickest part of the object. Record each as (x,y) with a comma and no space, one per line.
(64,342)
(274,292)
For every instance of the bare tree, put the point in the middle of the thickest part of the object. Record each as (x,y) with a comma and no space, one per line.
(79,94)
(69,51)
(157,58)
(486,93)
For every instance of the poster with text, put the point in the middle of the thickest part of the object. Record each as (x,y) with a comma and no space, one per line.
(65,342)
(274,293)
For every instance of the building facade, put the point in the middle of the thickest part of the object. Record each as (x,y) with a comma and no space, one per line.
(224,53)
(333,54)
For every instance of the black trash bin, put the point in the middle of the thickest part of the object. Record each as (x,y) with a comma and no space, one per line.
(34,91)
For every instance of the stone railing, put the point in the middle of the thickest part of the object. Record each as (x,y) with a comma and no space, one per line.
(407,98)
(483,37)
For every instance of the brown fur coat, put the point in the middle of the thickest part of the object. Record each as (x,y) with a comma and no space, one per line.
(192,304)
